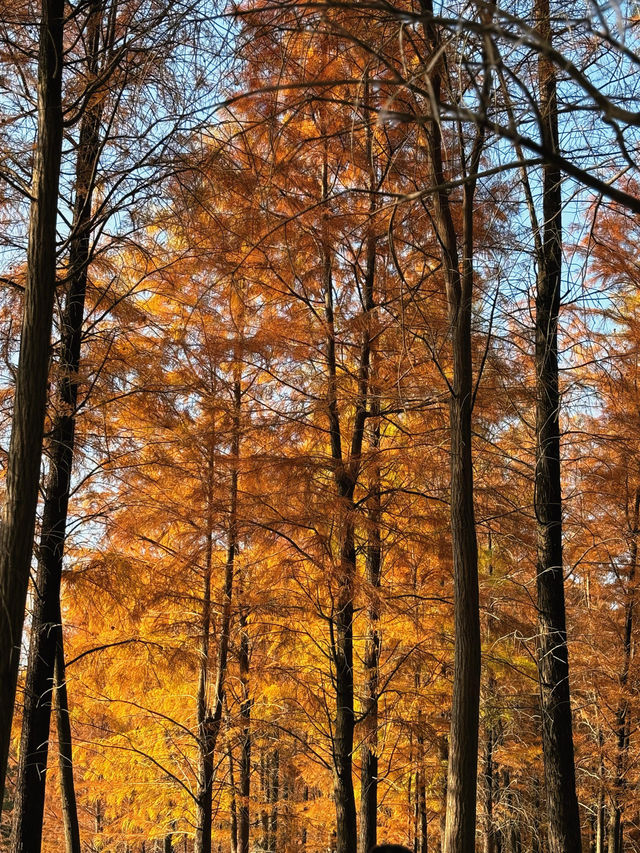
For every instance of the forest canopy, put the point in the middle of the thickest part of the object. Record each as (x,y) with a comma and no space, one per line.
(319,426)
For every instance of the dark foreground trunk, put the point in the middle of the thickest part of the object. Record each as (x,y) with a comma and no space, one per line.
(23,466)
(623,718)
(245,742)
(465,712)
(210,719)
(65,756)
(369,754)
(553,658)
(45,630)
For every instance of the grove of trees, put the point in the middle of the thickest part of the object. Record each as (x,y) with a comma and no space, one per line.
(319,426)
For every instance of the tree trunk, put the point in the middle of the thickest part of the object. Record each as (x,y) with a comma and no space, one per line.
(623,719)
(202,843)
(345,475)
(65,755)
(23,465)
(553,658)
(421,795)
(465,711)
(45,629)
(264,787)
(212,718)
(233,808)
(490,775)
(369,754)
(369,750)
(342,622)
(245,744)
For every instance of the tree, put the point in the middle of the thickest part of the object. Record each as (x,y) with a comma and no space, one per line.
(23,471)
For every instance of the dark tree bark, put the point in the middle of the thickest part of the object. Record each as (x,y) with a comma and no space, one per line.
(212,717)
(369,754)
(46,630)
(491,730)
(342,636)
(553,658)
(458,268)
(623,718)
(421,795)
(245,742)
(233,809)
(23,466)
(202,842)
(345,477)
(345,474)
(65,755)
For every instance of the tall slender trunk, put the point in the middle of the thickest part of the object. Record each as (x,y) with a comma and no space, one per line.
(623,719)
(553,658)
(369,753)
(233,807)
(23,466)
(421,794)
(490,775)
(245,742)
(465,712)
(202,842)
(45,629)
(65,755)
(212,717)
(264,789)
(342,623)
(346,475)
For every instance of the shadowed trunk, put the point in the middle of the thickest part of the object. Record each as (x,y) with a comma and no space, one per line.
(462,773)
(553,658)
(23,465)
(202,843)
(212,717)
(65,755)
(342,636)
(245,742)
(233,807)
(369,754)
(345,475)
(623,718)
(45,629)
(421,794)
